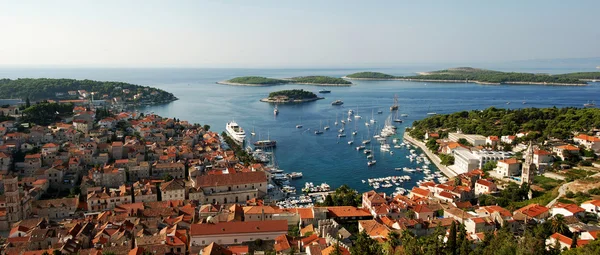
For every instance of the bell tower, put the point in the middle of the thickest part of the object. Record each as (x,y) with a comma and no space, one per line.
(528,170)
(13,199)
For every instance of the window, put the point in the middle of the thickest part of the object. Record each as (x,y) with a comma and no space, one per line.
(235,240)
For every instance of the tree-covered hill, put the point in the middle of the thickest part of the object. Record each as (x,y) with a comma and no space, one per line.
(43,88)
(370,75)
(294,94)
(257,80)
(553,122)
(490,76)
(320,80)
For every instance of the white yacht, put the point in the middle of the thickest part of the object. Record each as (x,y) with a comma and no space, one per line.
(235,132)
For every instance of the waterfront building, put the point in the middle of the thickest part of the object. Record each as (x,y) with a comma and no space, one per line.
(234,187)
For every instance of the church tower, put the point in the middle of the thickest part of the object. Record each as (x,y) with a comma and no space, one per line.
(528,169)
(13,199)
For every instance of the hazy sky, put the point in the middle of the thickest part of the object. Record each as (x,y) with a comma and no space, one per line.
(253,33)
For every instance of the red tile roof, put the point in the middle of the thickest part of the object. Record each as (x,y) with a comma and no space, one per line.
(573,208)
(223,228)
(533,210)
(509,161)
(230,179)
(347,211)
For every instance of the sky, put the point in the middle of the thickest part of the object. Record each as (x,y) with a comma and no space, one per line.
(281,33)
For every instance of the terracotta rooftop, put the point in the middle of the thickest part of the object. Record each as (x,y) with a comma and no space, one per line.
(236,227)
(533,210)
(231,179)
(347,211)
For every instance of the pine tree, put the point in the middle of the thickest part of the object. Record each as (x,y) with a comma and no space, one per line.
(452,239)
(27,103)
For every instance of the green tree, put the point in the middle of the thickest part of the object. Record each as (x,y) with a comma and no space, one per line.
(336,249)
(558,224)
(167,177)
(27,103)
(393,241)
(294,231)
(489,166)
(206,127)
(452,249)
(364,245)
(463,242)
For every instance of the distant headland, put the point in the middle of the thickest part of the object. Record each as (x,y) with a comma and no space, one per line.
(307,80)
(483,76)
(291,96)
(77,90)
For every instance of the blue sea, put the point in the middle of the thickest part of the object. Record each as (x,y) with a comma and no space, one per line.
(326,158)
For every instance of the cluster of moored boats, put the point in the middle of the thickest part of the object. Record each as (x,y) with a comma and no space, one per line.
(309,187)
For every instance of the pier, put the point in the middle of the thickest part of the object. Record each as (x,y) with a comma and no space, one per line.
(434,158)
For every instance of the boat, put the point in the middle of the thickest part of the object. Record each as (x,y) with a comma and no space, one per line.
(252,133)
(235,132)
(385,147)
(361,147)
(327,126)
(372,120)
(432,113)
(342,135)
(394,107)
(354,132)
(299,125)
(336,120)
(367,151)
(324,91)
(404,115)
(370,156)
(350,142)
(356,116)
(507,102)
(263,144)
(380,112)
(396,119)
(319,131)
(337,102)
(589,104)
(371,162)
(295,175)
(275,111)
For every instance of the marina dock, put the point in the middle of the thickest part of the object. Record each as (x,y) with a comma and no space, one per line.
(434,158)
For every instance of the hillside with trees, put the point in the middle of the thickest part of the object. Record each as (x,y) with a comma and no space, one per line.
(325,80)
(546,122)
(294,94)
(43,88)
(257,80)
(371,75)
(490,76)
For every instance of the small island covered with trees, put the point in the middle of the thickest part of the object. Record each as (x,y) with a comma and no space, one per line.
(483,76)
(291,96)
(70,89)
(308,80)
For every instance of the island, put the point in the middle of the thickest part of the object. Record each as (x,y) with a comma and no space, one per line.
(306,80)
(370,76)
(72,90)
(291,96)
(253,81)
(484,76)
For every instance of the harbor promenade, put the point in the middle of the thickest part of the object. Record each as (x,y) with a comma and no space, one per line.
(434,158)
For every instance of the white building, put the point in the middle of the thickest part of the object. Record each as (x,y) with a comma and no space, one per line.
(592,206)
(475,140)
(464,160)
(588,141)
(567,210)
(236,232)
(487,156)
(508,167)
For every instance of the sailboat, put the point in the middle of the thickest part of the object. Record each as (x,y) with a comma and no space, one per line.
(263,144)
(327,126)
(276,111)
(589,104)
(372,161)
(368,140)
(355,129)
(253,133)
(372,118)
(299,125)
(394,107)
(336,120)
(396,119)
(319,131)
(356,116)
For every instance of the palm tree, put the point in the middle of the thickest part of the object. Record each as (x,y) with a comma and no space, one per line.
(558,224)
